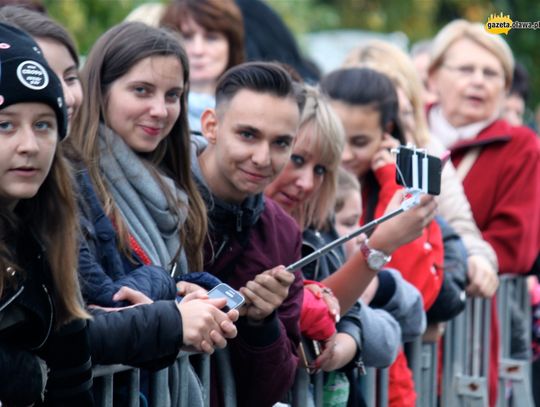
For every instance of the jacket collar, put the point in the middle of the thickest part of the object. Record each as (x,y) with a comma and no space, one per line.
(498,132)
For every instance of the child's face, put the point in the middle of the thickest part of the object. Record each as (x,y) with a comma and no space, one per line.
(144,104)
(28,139)
(347,221)
(364,136)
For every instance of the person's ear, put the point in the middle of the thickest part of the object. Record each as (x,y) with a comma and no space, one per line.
(209,124)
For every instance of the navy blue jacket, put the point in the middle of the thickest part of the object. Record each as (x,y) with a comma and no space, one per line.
(103,269)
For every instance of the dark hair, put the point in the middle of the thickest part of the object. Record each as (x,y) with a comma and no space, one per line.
(520,82)
(269,39)
(260,77)
(38,26)
(34,5)
(222,16)
(366,87)
(111,57)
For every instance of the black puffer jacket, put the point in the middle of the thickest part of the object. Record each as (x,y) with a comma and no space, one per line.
(30,344)
(148,336)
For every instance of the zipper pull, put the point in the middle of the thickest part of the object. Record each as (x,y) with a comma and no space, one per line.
(361,367)
(239,220)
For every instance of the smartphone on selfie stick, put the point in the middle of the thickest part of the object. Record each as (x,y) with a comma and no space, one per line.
(417,171)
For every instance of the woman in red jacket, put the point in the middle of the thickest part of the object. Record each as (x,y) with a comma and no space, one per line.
(367,104)
(471,71)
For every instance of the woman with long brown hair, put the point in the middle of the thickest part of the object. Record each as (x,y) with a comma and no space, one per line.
(133,133)
(42,321)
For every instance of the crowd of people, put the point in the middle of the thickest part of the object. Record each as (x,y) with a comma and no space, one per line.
(168,164)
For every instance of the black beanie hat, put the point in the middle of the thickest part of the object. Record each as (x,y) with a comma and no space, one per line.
(25,76)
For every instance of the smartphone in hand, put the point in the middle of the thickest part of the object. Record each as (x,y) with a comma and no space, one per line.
(233,297)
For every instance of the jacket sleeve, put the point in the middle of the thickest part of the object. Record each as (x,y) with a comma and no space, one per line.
(382,337)
(451,299)
(351,324)
(514,223)
(148,335)
(22,377)
(98,287)
(420,261)
(404,303)
(67,354)
(103,270)
(454,207)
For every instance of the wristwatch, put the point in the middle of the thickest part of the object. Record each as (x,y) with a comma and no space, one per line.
(375,259)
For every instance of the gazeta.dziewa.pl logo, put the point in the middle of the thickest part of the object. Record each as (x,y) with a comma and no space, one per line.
(499,24)
(502,24)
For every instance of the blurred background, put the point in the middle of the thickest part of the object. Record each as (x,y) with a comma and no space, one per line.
(327,29)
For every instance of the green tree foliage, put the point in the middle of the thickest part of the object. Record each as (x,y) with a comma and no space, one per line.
(418,19)
(88,19)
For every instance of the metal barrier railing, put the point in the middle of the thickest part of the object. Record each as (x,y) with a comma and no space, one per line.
(514,374)
(466,356)
(465,370)
(166,387)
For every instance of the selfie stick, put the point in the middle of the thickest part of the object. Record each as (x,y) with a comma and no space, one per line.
(405,206)
(416,190)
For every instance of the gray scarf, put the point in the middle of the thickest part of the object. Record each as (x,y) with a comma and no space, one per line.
(142,202)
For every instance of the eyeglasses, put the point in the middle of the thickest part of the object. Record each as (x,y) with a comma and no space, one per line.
(467,71)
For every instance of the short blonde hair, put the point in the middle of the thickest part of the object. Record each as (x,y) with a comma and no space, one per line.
(148,13)
(475,32)
(326,136)
(394,63)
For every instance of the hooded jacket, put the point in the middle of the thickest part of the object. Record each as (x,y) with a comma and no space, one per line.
(244,241)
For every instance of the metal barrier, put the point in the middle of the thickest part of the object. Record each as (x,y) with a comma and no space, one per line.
(168,387)
(466,356)
(465,369)
(307,389)
(374,386)
(514,374)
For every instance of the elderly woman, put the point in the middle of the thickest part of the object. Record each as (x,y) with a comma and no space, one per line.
(471,71)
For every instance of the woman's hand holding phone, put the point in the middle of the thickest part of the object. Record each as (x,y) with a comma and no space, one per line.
(205,326)
(384,156)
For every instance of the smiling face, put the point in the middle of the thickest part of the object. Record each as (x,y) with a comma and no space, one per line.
(208,54)
(302,177)
(28,138)
(250,139)
(63,65)
(364,136)
(469,83)
(144,104)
